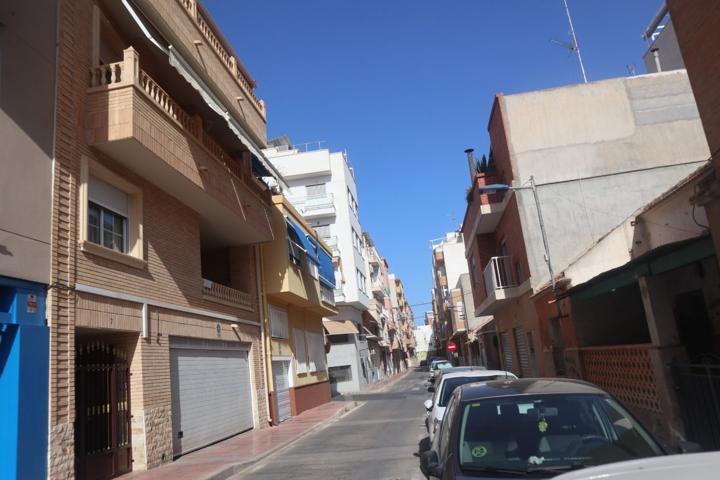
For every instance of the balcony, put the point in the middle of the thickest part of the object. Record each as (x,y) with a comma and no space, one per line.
(187,26)
(327,295)
(135,121)
(438,255)
(332,242)
(379,289)
(218,293)
(314,207)
(485,210)
(500,285)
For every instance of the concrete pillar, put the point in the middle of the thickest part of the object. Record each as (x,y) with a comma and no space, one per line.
(658,311)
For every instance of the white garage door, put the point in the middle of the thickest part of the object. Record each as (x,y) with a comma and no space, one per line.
(211,392)
(281,373)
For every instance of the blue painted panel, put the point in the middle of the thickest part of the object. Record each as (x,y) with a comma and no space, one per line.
(327,272)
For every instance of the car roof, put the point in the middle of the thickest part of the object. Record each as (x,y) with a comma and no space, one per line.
(698,466)
(473,373)
(526,386)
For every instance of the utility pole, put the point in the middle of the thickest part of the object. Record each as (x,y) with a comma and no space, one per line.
(576,45)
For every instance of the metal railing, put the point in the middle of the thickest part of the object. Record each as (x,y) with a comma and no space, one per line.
(498,274)
(327,295)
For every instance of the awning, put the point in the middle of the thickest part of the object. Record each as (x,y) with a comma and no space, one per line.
(370,336)
(478,323)
(340,327)
(188,73)
(327,271)
(310,249)
(655,262)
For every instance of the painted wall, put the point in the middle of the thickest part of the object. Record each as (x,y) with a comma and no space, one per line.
(27,107)
(648,123)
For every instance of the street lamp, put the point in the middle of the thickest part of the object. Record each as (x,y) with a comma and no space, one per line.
(501,187)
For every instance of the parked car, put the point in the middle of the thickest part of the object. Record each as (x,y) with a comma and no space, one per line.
(696,466)
(447,383)
(534,428)
(436,365)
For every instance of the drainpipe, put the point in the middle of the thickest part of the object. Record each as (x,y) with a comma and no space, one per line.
(264,340)
(656,56)
(145,322)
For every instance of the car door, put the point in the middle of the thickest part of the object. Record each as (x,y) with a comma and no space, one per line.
(432,414)
(443,439)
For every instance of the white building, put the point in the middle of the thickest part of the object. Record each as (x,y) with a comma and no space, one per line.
(322,188)
(424,340)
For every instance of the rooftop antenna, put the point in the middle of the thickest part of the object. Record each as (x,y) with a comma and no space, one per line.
(575,47)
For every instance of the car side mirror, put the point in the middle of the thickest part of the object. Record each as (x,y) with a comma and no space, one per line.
(428,404)
(430,465)
(431,388)
(690,447)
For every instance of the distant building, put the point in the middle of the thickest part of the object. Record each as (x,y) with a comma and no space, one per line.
(424,339)
(322,188)
(663,53)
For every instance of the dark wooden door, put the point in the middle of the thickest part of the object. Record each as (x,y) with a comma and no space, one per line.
(102,428)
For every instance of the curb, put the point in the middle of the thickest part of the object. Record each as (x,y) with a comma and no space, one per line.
(234,469)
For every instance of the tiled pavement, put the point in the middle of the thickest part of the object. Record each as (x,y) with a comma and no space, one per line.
(230,456)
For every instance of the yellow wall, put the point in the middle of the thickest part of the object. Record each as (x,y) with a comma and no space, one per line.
(304,319)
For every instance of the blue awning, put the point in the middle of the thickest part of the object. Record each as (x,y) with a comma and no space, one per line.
(310,249)
(327,272)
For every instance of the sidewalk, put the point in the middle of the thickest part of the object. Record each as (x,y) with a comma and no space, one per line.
(226,458)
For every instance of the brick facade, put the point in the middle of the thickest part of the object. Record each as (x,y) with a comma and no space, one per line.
(168,276)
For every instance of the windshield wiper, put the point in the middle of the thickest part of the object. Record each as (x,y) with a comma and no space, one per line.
(507,471)
(556,468)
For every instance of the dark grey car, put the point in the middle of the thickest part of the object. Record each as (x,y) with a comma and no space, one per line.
(533,428)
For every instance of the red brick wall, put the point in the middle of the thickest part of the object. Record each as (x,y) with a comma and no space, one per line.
(697,23)
(309,396)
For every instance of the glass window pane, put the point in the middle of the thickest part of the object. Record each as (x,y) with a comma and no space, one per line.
(93,223)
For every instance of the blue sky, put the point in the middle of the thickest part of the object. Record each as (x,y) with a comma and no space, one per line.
(406,85)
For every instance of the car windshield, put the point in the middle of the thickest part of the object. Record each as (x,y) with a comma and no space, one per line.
(443,365)
(548,432)
(450,384)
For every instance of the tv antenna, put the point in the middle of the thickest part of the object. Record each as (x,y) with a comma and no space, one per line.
(573,46)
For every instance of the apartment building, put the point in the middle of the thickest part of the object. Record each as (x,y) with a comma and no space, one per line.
(299,281)
(450,316)
(321,187)
(27,85)
(376,318)
(155,310)
(407,322)
(586,173)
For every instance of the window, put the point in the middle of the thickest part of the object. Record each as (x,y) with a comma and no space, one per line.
(295,249)
(473,271)
(278,322)
(300,350)
(111,213)
(315,191)
(323,231)
(316,351)
(361,279)
(340,374)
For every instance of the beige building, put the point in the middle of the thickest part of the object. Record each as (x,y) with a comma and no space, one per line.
(158,213)
(299,283)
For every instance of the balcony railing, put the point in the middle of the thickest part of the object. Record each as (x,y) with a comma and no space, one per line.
(498,274)
(327,295)
(218,293)
(230,62)
(314,205)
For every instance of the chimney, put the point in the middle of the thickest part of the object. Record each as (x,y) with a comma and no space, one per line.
(471,164)
(656,56)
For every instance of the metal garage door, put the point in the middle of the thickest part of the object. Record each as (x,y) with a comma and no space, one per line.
(522,351)
(211,392)
(280,369)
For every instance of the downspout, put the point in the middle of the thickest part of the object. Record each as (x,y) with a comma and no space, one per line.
(264,340)
(145,322)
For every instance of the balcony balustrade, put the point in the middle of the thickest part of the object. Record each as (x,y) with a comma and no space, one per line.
(133,119)
(218,293)
(500,285)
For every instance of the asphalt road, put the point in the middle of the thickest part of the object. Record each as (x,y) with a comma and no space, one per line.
(378,440)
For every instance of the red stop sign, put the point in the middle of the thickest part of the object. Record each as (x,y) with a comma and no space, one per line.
(451,347)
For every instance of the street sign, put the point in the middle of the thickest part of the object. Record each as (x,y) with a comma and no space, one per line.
(451,347)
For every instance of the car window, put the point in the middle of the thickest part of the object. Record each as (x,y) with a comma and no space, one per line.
(445,427)
(450,384)
(552,431)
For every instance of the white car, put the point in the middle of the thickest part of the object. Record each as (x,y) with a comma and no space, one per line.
(444,387)
(693,466)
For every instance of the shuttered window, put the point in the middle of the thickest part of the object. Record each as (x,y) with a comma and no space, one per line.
(300,350)
(315,191)
(522,352)
(316,351)
(506,351)
(278,322)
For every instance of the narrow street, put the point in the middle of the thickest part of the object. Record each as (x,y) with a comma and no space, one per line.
(378,440)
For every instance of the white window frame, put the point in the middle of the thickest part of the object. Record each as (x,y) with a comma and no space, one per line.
(278,322)
(134,251)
